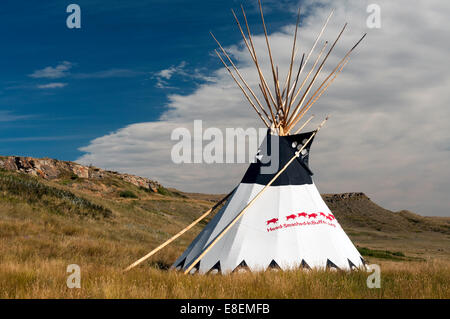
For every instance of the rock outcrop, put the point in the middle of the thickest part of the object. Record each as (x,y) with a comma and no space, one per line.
(51,169)
(332,198)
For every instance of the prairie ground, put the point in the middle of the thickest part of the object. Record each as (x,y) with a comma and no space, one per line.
(47,279)
(42,232)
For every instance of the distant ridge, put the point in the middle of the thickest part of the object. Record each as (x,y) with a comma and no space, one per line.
(357,210)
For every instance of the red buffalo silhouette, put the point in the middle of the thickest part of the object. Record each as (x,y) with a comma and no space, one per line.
(272,221)
(293,216)
(313,215)
(322,214)
(302,214)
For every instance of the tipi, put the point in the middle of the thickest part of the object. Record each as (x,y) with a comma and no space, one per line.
(274,218)
(288,226)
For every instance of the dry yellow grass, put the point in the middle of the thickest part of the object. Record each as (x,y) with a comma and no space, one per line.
(36,246)
(35,251)
(47,279)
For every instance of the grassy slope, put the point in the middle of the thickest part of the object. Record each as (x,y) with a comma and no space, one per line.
(41,233)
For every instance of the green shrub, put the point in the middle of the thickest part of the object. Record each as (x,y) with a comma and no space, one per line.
(57,200)
(127,194)
(164,191)
(384,254)
(398,253)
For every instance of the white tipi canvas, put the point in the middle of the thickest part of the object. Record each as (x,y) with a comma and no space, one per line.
(289,226)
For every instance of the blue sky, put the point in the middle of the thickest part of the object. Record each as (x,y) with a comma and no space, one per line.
(111,93)
(102,76)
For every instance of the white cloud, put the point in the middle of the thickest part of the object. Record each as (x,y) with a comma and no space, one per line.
(111,73)
(163,76)
(8,116)
(53,85)
(388,135)
(51,72)
(167,73)
(40,138)
(62,70)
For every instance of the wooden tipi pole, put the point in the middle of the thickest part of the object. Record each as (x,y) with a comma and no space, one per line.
(242,89)
(292,62)
(275,79)
(307,76)
(304,124)
(325,82)
(305,94)
(240,76)
(195,222)
(307,58)
(292,90)
(252,52)
(264,85)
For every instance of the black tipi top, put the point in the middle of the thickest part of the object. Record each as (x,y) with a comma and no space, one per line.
(263,170)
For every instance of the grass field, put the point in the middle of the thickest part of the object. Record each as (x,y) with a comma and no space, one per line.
(42,231)
(47,279)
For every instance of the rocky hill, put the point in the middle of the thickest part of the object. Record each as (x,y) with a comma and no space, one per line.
(51,169)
